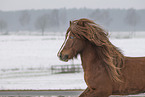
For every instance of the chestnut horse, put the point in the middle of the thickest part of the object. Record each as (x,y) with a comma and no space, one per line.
(106,70)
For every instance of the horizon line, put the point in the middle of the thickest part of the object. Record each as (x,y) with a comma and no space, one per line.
(68,9)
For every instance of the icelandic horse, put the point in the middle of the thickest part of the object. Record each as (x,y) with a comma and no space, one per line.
(106,70)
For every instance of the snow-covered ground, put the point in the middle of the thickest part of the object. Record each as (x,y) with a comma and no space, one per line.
(44,82)
(25,62)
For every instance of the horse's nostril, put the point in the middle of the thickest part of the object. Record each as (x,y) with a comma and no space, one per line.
(66,57)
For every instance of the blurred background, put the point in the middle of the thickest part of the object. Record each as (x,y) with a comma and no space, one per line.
(32,31)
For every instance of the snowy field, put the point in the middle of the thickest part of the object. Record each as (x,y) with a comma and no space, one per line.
(25,62)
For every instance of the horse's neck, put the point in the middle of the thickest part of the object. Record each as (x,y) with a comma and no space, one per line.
(89,57)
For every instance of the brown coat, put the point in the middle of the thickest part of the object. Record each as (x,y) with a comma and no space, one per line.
(106,70)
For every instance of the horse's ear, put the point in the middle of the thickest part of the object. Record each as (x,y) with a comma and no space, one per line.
(70,22)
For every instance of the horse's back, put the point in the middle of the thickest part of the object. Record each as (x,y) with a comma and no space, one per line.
(135,64)
(135,68)
(134,75)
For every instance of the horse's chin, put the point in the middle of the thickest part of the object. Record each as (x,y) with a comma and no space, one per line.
(64,60)
(76,56)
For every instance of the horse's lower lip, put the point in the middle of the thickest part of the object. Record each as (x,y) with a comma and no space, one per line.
(65,60)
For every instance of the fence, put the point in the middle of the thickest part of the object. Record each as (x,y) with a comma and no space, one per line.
(66,68)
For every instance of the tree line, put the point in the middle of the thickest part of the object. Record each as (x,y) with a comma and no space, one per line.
(57,20)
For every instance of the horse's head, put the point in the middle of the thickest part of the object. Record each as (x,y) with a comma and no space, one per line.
(77,34)
(71,47)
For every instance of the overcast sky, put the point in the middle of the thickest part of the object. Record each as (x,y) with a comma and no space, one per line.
(6,5)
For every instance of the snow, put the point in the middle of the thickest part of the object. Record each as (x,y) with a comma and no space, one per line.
(25,62)
(29,51)
(57,81)
(134,47)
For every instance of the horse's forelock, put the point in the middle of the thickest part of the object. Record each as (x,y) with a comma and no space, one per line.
(77,30)
(89,30)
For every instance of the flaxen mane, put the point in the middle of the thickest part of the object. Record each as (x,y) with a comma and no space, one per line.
(112,58)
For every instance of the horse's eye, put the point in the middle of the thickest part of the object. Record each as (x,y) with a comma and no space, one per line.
(71,37)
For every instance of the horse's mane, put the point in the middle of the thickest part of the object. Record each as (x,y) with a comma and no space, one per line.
(110,55)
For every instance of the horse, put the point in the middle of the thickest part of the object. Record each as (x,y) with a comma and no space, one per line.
(106,70)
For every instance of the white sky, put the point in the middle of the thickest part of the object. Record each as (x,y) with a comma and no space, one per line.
(6,5)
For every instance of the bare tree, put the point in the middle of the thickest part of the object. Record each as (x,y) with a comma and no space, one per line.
(24,18)
(132,19)
(55,18)
(106,19)
(101,17)
(96,16)
(63,17)
(3,25)
(42,23)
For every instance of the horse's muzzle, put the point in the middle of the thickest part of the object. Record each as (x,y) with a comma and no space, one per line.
(63,57)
